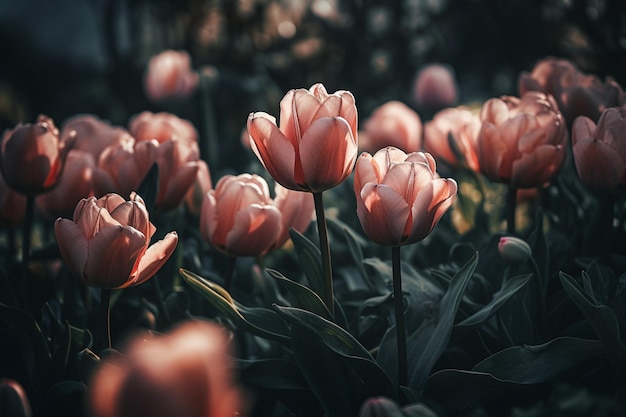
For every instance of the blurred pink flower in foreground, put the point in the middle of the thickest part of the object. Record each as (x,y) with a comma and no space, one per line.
(316,145)
(451,135)
(600,150)
(522,140)
(240,218)
(187,372)
(399,196)
(107,243)
(392,124)
(576,93)
(13,399)
(169,76)
(435,87)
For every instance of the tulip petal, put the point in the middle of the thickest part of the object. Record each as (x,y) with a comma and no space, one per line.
(365,170)
(274,150)
(177,186)
(537,167)
(72,245)
(154,258)
(208,220)
(383,214)
(135,215)
(327,153)
(430,204)
(255,230)
(603,176)
(296,208)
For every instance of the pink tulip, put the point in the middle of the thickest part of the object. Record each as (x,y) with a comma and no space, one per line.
(451,135)
(32,156)
(316,145)
(163,127)
(435,87)
(107,244)
(187,372)
(178,168)
(169,76)
(296,210)
(399,196)
(201,186)
(600,150)
(392,124)
(92,134)
(522,140)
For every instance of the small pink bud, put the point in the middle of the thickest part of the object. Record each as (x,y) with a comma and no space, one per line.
(514,250)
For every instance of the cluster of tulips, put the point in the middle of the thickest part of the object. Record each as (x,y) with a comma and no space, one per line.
(101,182)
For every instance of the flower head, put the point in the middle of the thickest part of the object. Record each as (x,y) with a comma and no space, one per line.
(399,197)
(169,76)
(316,145)
(514,250)
(392,124)
(107,243)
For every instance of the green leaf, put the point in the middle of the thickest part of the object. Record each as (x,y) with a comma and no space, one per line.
(259,321)
(355,249)
(272,374)
(601,318)
(310,257)
(425,355)
(302,296)
(534,364)
(509,288)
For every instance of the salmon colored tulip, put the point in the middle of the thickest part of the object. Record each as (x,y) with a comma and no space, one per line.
(163,127)
(201,186)
(451,135)
(315,147)
(600,150)
(187,372)
(392,124)
(399,196)
(576,93)
(169,76)
(240,218)
(32,156)
(107,244)
(12,205)
(92,134)
(522,140)
(178,169)
(435,87)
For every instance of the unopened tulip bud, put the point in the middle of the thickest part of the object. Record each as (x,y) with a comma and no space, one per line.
(514,250)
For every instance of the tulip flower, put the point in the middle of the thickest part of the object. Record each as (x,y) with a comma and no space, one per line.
(435,87)
(522,140)
(451,136)
(392,124)
(316,145)
(399,201)
(187,372)
(576,93)
(32,156)
(107,243)
(169,76)
(92,134)
(514,250)
(163,127)
(399,197)
(600,150)
(201,186)
(13,399)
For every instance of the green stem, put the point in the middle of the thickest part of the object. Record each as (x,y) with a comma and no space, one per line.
(105,316)
(26,243)
(541,299)
(322,230)
(511,205)
(403,378)
(164,314)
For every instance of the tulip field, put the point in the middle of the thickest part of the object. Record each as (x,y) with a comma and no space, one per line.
(238,209)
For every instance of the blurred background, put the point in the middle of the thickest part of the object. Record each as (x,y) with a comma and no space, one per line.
(66,57)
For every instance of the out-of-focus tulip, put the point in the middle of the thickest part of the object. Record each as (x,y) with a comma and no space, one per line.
(522,140)
(435,87)
(201,186)
(32,156)
(514,250)
(107,244)
(163,127)
(399,196)
(92,134)
(178,169)
(186,373)
(240,218)
(451,135)
(316,145)
(600,150)
(576,93)
(75,184)
(169,76)
(12,205)
(13,399)
(392,124)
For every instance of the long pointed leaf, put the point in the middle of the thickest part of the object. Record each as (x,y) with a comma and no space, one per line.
(303,296)
(310,259)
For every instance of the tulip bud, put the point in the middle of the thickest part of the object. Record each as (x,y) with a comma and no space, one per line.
(514,250)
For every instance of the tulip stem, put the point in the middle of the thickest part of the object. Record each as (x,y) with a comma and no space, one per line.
(26,243)
(322,230)
(541,299)
(403,378)
(164,318)
(511,206)
(105,315)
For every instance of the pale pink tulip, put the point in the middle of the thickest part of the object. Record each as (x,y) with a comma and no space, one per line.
(316,145)
(600,150)
(169,76)
(163,127)
(296,209)
(399,196)
(188,372)
(107,244)
(392,124)
(522,140)
(451,135)
(435,87)
(92,134)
